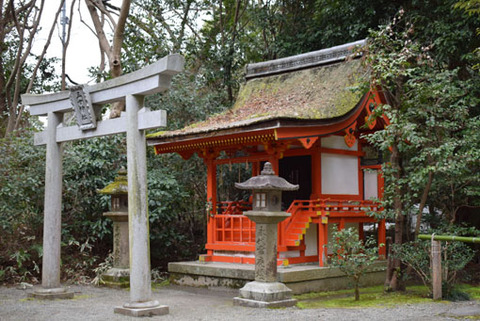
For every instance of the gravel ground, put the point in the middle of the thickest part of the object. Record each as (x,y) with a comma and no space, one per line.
(93,303)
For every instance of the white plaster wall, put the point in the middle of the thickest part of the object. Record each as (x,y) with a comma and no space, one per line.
(311,243)
(287,254)
(339,174)
(370,184)
(337,142)
(234,253)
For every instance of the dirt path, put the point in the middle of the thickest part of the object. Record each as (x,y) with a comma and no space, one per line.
(93,303)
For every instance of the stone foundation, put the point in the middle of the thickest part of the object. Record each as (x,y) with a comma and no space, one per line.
(299,278)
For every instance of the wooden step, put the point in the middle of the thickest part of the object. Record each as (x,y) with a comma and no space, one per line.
(292,243)
(297,230)
(302,224)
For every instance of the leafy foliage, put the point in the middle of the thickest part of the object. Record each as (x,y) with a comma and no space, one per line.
(176,206)
(339,22)
(21,204)
(88,166)
(433,107)
(455,256)
(353,256)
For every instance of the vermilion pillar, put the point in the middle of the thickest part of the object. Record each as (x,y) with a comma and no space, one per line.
(322,241)
(211,198)
(273,159)
(255,168)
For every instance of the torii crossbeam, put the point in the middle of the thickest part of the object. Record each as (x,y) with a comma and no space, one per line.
(131,88)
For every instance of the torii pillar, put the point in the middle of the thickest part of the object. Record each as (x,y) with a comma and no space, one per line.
(87,101)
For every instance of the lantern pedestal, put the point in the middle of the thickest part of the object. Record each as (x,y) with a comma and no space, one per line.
(265,295)
(142,309)
(51,294)
(116,278)
(265,291)
(119,275)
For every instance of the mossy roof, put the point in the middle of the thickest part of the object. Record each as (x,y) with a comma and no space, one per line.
(320,93)
(118,186)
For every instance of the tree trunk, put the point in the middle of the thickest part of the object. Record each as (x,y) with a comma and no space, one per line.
(113,50)
(231,52)
(357,290)
(423,201)
(393,281)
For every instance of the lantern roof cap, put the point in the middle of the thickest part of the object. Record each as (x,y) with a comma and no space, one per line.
(267,180)
(118,187)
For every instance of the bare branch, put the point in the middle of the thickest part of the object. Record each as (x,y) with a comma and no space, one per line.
(22,55)
(118,36)
(97,24)
(83,21)
(65,46)
(100,6)
(45,47)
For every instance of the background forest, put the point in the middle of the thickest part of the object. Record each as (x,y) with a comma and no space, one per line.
(424,54)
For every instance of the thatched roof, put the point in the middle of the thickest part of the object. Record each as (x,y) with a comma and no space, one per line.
(313,86)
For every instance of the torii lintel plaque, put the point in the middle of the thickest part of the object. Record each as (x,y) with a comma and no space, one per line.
(82,105)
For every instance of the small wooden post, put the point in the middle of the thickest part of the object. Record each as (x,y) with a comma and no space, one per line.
(436,266)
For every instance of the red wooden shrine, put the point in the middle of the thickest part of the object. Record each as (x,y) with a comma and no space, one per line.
(300,114)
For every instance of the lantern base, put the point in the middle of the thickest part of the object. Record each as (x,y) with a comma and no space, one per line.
(262,304)
(51,294)
(142,309)
(116,278)
(265,294)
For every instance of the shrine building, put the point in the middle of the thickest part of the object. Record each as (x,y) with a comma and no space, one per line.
(304,116)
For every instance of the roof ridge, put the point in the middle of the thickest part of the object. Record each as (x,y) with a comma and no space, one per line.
(301,61)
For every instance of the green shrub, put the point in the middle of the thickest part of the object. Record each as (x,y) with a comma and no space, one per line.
(352,256)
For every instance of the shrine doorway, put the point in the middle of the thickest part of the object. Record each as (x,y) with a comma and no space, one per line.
(296,170)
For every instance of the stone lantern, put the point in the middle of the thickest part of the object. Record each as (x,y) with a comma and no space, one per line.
(266,212)
(119,274)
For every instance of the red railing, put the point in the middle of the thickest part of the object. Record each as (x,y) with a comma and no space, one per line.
(233,227)
(331,207)
(233,207)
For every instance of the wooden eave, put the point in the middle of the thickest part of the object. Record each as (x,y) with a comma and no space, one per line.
(258,133)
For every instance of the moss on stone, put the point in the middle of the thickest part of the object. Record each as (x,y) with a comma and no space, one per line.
(26,299)
(81,297)
(118,186)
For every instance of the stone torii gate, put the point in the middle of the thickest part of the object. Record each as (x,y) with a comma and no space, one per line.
(86,101)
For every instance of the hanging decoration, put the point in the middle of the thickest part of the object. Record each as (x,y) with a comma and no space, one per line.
(350,135)
(369,119)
